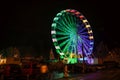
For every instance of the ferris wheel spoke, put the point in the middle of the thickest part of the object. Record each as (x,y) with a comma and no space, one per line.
(63,43)
(71,50)
(65,25)
(86,49)
(79,47)
(62,38)
(75,49)
(71,21)
(68,19)
(87,44)
(65,19)
(60,27)
(85,41)
(79,39)
(61,33)
(83,30)
(75,20)
(84,36)
(67,46)
(65,22)
(89,47)
(62,30)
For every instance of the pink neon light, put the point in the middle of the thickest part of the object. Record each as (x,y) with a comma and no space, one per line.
(77,13)
(72,11)
(81,17)
(68,10)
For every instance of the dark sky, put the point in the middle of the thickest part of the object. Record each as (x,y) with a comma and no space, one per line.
(29,23)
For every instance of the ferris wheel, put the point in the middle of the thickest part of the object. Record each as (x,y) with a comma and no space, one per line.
(72,35)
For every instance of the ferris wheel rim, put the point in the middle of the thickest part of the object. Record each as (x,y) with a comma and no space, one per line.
(84,21)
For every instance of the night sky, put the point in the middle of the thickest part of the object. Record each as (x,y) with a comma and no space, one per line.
(29,23)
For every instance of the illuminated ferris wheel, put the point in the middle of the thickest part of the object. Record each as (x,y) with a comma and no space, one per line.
(72,35)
